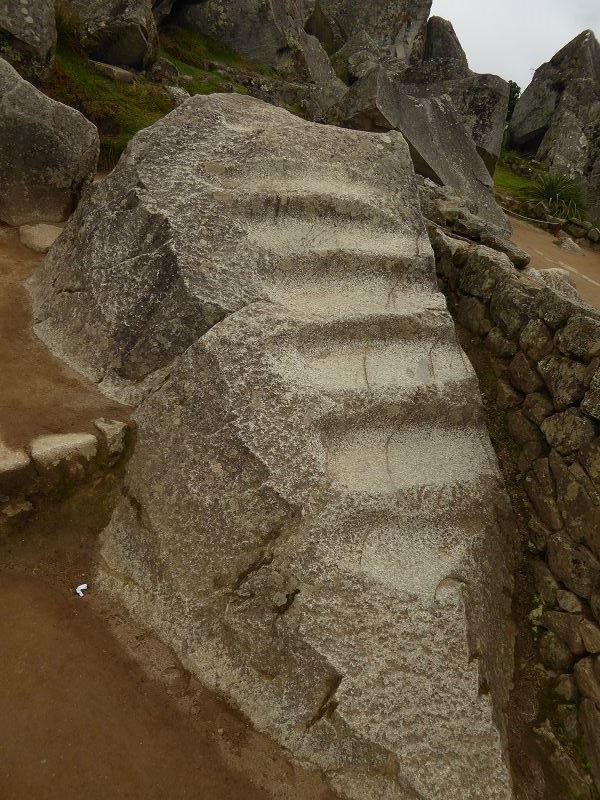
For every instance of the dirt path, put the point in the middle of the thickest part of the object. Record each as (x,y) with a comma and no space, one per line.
(584,267)
(92,706)
(80,719)
(38,394)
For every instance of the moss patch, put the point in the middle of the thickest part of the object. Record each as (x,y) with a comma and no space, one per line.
(194,50)
(119,110)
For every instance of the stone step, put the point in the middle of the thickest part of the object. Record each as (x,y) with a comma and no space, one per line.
(281,204)
(386,460)
(60,460)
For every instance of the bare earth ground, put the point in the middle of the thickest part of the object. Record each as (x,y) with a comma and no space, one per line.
(38,394)
(90,705)
(584,267)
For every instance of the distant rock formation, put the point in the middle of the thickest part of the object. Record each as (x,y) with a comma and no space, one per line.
(272,33)
(120,32)
(440,145)
(48,153)
(28,36)
(313,517)
(557,118)
(393,30)
(481,101)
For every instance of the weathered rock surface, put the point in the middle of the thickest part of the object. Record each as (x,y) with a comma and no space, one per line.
(558,115)
(28,35)
(272,33)
(481,101)
(266,32)
(392,33)
(441,147)
(312,516)
(120,32)
(48,153)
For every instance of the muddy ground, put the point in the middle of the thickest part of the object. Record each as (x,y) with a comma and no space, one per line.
(584,266)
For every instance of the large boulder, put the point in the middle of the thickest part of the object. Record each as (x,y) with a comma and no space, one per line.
(441,146)
(48,153)
(395,27)
(266,32)
(28,36)
(272,33)
(558,116)
(120,32)
(481,101)
(312,517)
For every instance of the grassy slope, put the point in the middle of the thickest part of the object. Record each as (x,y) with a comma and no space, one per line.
(509,182)
(120,110)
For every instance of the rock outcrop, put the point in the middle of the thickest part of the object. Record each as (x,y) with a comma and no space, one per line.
(481,101)
(440,145)
(557,118)
(272,33)
(28,36)
(48,153)
(394,31)
(120,32)
(312,517)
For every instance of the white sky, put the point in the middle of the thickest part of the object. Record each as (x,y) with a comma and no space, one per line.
(512,38)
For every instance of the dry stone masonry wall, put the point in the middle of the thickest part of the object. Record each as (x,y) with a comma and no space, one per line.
(544,348)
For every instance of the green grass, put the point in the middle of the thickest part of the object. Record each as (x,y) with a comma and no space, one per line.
(509,182)
(185,46)
(205,81)
(119,110)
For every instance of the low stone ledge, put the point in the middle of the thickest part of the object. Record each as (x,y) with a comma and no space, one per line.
(49,452)
(15,468)
(58,462)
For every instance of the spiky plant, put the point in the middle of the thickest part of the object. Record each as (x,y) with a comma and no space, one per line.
(564,196)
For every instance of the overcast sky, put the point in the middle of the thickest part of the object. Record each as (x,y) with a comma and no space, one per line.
(512,38)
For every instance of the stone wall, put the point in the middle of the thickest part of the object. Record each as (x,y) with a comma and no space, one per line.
(543,355)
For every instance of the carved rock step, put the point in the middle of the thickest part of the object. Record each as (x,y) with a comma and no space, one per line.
(312,516)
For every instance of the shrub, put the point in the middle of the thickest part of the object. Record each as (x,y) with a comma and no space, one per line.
(564,196)
(515,94)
